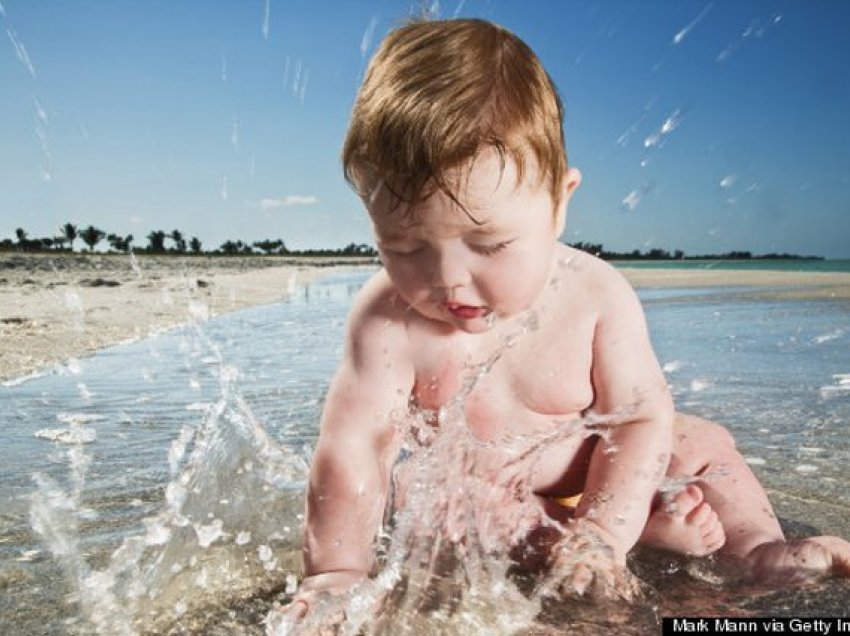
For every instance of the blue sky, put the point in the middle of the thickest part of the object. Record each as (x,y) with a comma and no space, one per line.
(701,125)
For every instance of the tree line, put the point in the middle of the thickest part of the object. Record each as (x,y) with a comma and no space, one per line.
(659,254)
(175,242)
(160,242)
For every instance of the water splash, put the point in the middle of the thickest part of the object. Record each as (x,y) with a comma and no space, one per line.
(266,14)
(756,29)
(461,509)
(684,31)
(217,534)
(670,124)
(302,92)
(368,34)
(76,310)
(728,181)
(631,201)
(234,135)
(21,52)
(134,264)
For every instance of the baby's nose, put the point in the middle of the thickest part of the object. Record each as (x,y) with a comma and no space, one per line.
(449,270)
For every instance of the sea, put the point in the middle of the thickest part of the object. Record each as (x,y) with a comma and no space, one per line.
(157,486)
(751,264)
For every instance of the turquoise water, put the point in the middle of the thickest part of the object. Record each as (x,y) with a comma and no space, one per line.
(192,446)
(782,265)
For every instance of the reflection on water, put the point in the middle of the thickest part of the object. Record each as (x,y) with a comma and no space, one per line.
(166,476)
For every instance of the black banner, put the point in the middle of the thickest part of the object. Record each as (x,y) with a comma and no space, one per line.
(759,625)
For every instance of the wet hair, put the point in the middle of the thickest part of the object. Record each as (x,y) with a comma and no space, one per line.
(436,94)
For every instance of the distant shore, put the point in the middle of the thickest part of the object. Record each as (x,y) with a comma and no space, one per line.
(771,284)
(56,307)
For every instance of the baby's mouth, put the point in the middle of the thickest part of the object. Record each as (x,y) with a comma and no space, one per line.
(466,312)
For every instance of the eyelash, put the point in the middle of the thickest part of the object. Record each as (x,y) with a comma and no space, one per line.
(490,250)
(485,250)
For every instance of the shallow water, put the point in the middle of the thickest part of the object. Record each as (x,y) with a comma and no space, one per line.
(190,450)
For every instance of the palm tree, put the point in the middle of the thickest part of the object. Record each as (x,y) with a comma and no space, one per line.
(69,233)
(179,241)
(235,247)
(157,241)
(92,236)
(21,235)
(120,243)
(270,247)
(195,245)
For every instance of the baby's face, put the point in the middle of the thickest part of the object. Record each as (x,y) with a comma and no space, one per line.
(453,270)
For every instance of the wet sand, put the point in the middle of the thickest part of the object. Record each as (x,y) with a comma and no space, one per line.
(774,285)
(59,306)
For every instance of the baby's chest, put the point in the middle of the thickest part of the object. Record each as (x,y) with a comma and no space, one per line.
(531,385)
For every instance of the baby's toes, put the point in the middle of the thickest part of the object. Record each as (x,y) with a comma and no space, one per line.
(714,536)
(686,501)
(704,521)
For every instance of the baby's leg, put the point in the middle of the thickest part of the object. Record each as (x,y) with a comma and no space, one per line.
(707,450)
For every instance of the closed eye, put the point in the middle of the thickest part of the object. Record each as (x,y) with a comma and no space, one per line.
(402,251)
(490,250)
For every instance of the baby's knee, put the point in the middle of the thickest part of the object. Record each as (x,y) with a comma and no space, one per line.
(697,444)
(696,430)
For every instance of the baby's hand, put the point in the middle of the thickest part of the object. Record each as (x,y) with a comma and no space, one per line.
(781,562)
(586,558)
(300,616)
(317,607)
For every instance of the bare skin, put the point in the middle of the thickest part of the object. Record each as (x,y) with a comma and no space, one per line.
(452,291)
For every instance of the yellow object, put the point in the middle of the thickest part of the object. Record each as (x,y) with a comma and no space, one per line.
(568,502)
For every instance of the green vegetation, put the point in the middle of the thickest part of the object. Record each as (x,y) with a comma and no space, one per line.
(161,242)
(174,242)
(658,254)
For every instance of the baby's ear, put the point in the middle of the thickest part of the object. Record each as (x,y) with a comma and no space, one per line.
(572,180)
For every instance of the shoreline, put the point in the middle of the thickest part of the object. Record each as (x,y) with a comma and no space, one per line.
(776,284)
(58,307)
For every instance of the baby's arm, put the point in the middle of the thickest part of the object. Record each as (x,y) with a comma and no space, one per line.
(350,472)
(627,468)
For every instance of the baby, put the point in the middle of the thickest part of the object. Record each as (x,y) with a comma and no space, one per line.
(456,148)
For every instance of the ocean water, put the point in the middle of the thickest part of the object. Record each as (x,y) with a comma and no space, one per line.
(781,265)
(157,486)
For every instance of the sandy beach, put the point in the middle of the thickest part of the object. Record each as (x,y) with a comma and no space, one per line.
(775,285)
(54,307)
(60,306)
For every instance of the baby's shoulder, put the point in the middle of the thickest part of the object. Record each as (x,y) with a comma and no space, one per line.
(377,313)
(597,285)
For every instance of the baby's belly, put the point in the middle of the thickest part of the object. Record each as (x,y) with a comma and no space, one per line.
(555,449)
(549,461)
(561,468)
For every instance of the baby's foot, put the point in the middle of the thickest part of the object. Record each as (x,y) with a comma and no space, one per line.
(797,560)
(685,524)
